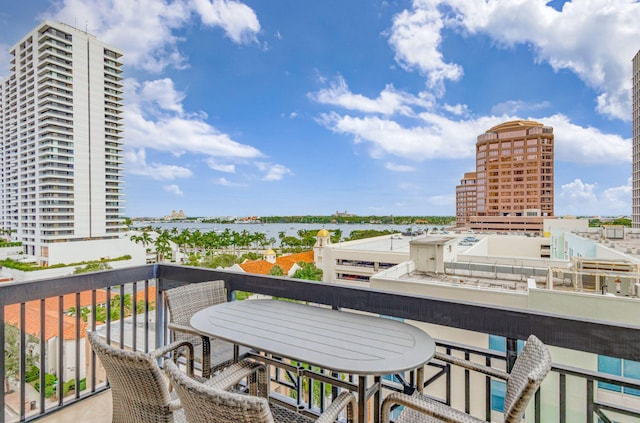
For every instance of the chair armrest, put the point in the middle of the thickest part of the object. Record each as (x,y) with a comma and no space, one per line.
(185,329)
(175,404)
(236,372)
(497,373)
(427,406)
(345,399)
(175,346)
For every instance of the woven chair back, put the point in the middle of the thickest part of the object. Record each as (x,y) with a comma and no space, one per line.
(529,370)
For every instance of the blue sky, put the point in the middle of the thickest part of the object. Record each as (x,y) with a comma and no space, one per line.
(373,107)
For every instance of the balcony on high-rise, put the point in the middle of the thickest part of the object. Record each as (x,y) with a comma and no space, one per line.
(594,377)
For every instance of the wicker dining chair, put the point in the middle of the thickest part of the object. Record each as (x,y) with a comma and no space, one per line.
(139,390)
(529,370)
(212,403)
(184,301)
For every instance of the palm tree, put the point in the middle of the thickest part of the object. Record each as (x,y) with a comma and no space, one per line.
(163,247)
(144,239)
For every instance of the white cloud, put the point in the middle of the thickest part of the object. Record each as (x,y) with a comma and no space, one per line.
(581,198)
(227,183)
(578,144)
(160,96)
(137,165)
(238,20)
(174,132)
(220,167)
(618,199)
(415,37)
(436,136)
(173,189)
(395,167)
(577,38)
(273,172)
(458,109)
(577,196)
(146,27)
(433,136)
(389,102)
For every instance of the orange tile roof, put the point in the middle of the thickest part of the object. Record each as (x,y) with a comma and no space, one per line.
(287,262)
(263,267)
(51,313)
(152,295)
(257,267)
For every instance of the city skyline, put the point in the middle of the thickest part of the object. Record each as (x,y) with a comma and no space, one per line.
(281,108)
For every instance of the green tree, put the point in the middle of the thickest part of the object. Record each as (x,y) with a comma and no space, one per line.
(220,260)
(308,271)
(276,271)
(12,351)
(622,221)
(595,223)
(93,267)
(163,246)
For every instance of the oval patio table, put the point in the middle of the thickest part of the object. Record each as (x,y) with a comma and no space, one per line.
(341,341)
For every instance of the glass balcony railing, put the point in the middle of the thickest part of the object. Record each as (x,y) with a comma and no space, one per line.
(48,365)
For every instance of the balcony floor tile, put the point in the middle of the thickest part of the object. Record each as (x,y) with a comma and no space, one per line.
(96,409)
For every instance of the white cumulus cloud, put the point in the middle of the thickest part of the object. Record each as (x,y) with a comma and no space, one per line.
(238,20)
(582,198)
(273,172)
(578,144)
(137,165)
(577,38)
(221,167)
(389,102)
(172,131)
(173,189)
(415,37)
(147,27)
(431,135)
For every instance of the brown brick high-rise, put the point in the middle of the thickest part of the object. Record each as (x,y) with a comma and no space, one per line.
(513,180)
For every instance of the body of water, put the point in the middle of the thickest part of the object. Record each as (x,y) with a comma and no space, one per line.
(273,229)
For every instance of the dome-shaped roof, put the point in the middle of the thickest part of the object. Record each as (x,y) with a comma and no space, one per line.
(514,124)
(269,252)
(323,232)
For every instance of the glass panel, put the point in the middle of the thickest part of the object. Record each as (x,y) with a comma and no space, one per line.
(498,343)
(498,390)
(612,366)
(632,370)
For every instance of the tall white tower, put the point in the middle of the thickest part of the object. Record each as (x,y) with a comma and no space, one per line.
(61,140)
(635,175)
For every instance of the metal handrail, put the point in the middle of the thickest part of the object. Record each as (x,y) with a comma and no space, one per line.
(591,336)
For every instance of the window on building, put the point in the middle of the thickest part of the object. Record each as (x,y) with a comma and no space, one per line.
(619,367)
(498,387)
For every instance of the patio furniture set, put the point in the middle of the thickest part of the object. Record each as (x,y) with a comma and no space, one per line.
(235,343)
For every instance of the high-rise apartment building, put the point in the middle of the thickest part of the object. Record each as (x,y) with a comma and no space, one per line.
(635,172)
(512,187)
(466,197)
(61,140)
